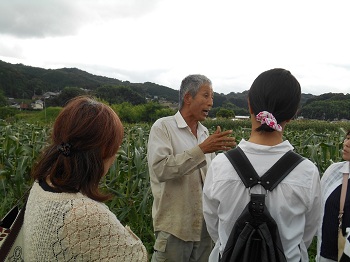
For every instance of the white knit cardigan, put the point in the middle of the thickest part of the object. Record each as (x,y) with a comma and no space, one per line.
(73,227)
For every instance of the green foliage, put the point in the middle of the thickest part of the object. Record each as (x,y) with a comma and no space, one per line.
(320,141)
(67,94)
(226,124)
(119,94)
(225,113)
(146,113)
(327,107)
(7,112)
(297,125)
(21,82)
(161,91)
(48,115)
(323,149)
(3,101)
(128,178)
(20,144)
(238,110)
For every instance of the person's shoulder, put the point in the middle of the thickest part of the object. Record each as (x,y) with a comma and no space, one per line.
(84,202)
(222,166)
(337,165)
(307,163)
(163,120)
(220,157)
(333,168)
(307,169)
(91,212)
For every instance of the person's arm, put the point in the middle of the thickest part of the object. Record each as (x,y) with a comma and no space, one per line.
(313,214)
(210,206)
(165,164)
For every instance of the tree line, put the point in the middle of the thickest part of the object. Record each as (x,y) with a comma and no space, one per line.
(23,82)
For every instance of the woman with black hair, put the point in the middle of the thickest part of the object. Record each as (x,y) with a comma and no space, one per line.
(273,100)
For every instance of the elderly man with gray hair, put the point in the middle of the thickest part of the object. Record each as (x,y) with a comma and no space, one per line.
(179,151)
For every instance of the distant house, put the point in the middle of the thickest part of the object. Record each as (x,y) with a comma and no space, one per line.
(35,97)
(38,105)
(15,105)
(24,106)
(240,118)
(45,96)
(50,94)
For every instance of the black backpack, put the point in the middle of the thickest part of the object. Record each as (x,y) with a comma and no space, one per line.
(255,235)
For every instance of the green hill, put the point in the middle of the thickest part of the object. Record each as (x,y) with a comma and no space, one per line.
(19,81)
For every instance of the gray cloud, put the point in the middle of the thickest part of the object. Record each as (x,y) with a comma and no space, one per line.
(49,18)
(25,19)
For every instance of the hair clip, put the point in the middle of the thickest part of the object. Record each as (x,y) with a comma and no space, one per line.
(64,149)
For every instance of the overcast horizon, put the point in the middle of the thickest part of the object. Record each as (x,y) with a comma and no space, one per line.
(168,86)
(163,41)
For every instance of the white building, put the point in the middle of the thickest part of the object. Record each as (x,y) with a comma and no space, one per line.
(38,105)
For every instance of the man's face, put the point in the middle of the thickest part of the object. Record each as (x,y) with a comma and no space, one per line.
(346,148)
(202,102)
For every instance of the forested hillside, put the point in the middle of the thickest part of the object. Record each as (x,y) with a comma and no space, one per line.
(19,81)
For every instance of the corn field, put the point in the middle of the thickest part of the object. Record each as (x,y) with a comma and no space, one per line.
(128,178)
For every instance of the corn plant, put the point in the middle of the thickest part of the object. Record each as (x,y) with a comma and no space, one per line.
(128,178)
(20,145)
(322,149)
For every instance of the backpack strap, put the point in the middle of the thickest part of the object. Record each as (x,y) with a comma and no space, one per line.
(272,177)
(243,167)
(280,170)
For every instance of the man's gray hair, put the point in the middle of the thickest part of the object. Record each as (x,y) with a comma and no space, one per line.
(191,84)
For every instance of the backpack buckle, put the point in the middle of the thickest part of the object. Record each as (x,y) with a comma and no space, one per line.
(257,204)
(266,192)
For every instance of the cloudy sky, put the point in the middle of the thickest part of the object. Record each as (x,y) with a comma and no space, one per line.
(162,41)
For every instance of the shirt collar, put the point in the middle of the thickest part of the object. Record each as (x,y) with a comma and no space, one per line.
(345,168)
(261,149)
(181,123)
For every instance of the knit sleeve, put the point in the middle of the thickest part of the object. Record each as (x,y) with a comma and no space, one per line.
(92,233)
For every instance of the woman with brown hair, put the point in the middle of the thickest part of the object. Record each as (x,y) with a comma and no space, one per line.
(65,219)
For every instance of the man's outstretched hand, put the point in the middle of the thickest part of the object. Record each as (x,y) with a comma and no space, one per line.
(218,141)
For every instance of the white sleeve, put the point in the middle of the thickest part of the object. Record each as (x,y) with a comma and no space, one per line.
(210,206)
(313,214)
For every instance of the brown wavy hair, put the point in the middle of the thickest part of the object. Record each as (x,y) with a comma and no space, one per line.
(94,134)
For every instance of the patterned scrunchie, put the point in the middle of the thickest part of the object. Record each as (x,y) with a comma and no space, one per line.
(267,118)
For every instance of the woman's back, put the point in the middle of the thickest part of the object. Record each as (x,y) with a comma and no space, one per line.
(71,226)
(292,203)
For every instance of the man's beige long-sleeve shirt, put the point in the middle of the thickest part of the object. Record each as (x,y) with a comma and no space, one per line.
(177,168)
